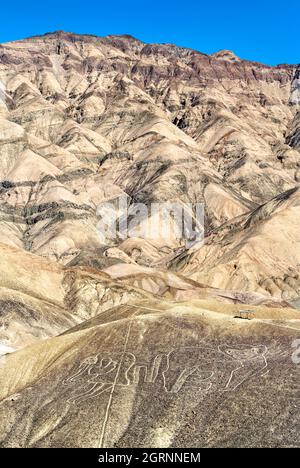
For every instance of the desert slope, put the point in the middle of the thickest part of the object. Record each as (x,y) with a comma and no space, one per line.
(257,251)
(155,374)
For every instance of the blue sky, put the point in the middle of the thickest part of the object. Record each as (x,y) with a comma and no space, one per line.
(262,30)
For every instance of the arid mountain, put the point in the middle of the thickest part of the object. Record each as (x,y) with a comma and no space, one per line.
(148,324)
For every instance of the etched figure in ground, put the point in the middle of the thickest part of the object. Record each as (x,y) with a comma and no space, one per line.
(203,368)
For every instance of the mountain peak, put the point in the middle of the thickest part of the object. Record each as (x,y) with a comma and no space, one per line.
(226,55)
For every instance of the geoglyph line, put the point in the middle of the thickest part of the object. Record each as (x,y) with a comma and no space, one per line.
(100,443)
(280,326)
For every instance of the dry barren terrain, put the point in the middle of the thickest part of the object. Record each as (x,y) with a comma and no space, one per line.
(144,341)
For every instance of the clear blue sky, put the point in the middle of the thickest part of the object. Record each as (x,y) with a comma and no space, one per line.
(262,30)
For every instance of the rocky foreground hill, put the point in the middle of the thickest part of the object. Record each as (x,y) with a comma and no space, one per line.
(140,341)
